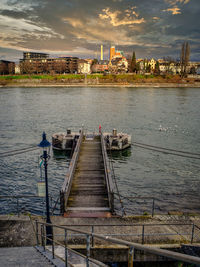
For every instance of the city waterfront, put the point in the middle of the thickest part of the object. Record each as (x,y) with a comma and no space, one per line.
(155,116)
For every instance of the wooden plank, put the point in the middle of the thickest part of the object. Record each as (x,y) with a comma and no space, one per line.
(89,189)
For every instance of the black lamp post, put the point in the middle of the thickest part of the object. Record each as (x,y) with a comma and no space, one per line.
(45,145)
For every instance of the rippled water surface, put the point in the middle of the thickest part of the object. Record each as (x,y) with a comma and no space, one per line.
(173,181)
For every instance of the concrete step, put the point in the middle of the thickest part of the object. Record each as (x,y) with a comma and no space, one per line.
(22,256)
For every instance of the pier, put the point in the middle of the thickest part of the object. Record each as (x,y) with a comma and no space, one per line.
(88,190)
(85,233)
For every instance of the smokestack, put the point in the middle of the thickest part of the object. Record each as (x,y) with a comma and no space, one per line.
(101,52)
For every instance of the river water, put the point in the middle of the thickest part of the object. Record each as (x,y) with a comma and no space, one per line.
(157,116)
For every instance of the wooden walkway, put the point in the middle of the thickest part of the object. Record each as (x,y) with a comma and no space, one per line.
(89,196)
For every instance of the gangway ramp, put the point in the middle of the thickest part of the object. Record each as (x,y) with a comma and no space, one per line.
(88,188)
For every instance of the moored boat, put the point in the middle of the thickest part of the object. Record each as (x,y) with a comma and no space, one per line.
(113,141)
(65,141)
(117,141)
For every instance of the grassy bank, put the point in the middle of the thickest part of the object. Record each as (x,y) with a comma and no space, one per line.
(94,79)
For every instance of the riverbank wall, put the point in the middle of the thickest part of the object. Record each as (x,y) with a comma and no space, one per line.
(130,81)
(103,85)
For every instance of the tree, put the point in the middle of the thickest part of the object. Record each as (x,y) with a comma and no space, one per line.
(133,67)
(157,68)
(184,58)
(193,70)
(94,61)
(26,67)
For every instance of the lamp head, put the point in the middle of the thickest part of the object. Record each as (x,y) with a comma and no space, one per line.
(44,144)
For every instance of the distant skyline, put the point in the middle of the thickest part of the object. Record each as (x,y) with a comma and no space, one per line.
(155,28)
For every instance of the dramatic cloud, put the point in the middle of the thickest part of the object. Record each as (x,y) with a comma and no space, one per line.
(77,27)
(174,2)
(127,19)
(174,10)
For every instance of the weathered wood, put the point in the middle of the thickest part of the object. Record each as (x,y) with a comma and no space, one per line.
(89,191)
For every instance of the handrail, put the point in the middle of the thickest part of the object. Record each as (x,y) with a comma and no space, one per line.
(109,181)
(156,251)
(191,235)
(66,187)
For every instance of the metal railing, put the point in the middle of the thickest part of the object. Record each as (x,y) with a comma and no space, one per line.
(148,211)
(19,204)
(143,232)
(89,238)
(109,182)
(66,187)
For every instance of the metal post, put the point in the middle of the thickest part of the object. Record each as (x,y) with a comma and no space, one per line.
(143,234)
(17,206)
(42,236)
(192,235)
(130,256)
(153,205)
(88,250)
(53,254)
(66,250)
(36,230)
(92,236)
(48,227)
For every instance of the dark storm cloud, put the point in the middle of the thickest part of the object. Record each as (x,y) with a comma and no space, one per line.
(77,27)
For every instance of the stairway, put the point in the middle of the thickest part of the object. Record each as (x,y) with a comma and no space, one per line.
(22,256)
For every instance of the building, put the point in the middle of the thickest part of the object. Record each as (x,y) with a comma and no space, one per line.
(84,67)
(115,53)
(71,64)
(152,64)
(101,67)
(35,63)
(34,55)
(17,69)
(118,65)
(112,52)
(7,67)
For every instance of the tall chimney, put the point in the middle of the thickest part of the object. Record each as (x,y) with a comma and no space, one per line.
(101,52)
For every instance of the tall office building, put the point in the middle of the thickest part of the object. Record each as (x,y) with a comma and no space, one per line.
(112,52)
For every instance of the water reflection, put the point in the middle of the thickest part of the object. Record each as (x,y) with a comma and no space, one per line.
(122,155)
(59,155)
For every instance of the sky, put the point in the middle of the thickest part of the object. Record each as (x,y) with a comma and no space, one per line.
(151,28)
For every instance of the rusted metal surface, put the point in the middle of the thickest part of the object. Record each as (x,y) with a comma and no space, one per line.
(89,193)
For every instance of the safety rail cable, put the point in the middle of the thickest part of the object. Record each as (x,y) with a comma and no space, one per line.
(107,174)
(20,151)
(164,148)
(115,181)
(165,151)
(17,150)
(66,187)
(131,245)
